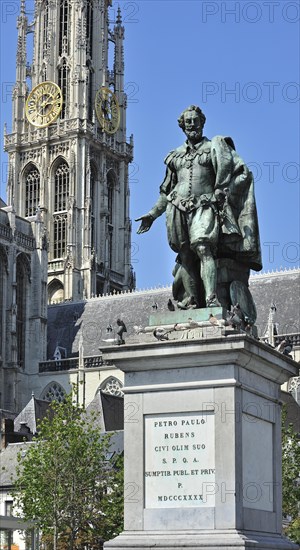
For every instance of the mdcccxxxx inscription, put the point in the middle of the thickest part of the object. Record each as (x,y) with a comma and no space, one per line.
(179,460)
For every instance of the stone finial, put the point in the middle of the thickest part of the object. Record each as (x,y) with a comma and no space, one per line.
(119,17)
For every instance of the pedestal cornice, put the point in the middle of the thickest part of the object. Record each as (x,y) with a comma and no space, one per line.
(235,350)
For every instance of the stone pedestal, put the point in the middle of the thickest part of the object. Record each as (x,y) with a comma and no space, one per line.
(202,444)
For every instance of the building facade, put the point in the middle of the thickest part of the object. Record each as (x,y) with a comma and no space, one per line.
(74,169)
(23,305)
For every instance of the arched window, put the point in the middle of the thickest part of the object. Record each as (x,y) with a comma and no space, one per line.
(61,193)
(44,73)
(21,302)
(90,91)
(93,183)
(63,82)
(61,187)
(55,291)
(111,208)
(294,388)
(60,235)
(111,181)
(45,27)
(32,190)
(64,26)
(112,386)
(54,392)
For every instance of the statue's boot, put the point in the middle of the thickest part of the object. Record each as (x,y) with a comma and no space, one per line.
(212,300)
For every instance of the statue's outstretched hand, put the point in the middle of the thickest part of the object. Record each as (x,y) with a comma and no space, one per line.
(147,220)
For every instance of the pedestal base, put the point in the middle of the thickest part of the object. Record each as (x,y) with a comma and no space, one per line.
(202,444)
(204,540)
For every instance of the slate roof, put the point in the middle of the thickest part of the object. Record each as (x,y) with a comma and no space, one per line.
(110,409)
(8,460)
(34,411)
(92,317)
(282,288)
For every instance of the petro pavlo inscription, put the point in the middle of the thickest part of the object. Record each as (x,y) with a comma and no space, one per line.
(179,460)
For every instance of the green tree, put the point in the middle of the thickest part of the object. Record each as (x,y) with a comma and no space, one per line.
(290,478)
(293,531)
(69,482)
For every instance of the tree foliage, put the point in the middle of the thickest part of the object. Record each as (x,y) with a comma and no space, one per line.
(290,478)
(68,482)
(293,531)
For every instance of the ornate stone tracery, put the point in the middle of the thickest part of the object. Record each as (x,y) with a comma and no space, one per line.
(112,386)
(54,392)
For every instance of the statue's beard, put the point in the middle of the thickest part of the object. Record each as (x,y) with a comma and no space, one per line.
(194,135)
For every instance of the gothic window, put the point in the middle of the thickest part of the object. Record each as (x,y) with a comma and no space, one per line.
(93,179)
(63,82)
(21,289)
(64,25)
(294,388)
(54,392)
(44,73)
(60,235)
(89,28)
(110,207)
(45,28)
(110,197)
(32,190)
(55,291)
(110,247)
(61,192)
(61,187)
(90,92)
(112,386)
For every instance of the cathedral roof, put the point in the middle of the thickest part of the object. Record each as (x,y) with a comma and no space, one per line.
(9,461)
(93,317)
(109,410)
(29,417)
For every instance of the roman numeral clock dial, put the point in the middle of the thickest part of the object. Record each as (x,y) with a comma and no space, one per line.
(107,110)
(44,104)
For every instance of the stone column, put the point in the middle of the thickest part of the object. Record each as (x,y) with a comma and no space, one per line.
(202,444)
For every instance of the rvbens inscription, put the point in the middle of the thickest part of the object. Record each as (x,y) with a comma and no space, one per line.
(179,460)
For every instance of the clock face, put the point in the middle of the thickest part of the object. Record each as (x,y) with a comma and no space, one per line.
(107,110)
(44,104)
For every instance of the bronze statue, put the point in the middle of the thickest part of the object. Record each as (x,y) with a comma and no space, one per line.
(211,217)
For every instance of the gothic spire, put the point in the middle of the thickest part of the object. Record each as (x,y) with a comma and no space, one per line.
(119,17)
(22,9)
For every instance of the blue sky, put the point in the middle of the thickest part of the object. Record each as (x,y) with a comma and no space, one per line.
(240,62)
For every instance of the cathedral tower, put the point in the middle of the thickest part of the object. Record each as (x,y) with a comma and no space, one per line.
(68,154)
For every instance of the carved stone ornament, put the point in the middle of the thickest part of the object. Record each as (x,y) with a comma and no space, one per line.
(32,155)
(61,148)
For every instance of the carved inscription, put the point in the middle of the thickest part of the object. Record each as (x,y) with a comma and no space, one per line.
(179,460)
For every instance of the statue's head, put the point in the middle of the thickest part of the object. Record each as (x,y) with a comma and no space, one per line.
(192,121)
